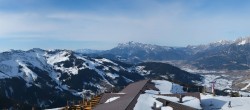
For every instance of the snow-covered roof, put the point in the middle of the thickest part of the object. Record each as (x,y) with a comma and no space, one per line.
(187,101)
(112,99)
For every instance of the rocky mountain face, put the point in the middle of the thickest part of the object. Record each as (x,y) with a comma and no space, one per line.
(47,79)
(230,56)
(135,52)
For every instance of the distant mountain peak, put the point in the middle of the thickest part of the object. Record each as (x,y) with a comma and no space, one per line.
(132,44)
(220,43)
(242,41)
(223,42)
(87,51)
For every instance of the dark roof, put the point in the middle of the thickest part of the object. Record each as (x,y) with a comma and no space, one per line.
(106,96)
(129,95)
(132,91)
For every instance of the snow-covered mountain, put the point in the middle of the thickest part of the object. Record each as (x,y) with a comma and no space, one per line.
(242,41)
(231,56)
(220,55)
(49,78)
(194,49)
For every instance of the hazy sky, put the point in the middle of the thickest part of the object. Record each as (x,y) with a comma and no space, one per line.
(102,24)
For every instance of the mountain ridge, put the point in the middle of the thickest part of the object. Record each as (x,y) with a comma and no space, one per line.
(134,52)
(48,78)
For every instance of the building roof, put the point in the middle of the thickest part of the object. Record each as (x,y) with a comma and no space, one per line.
(127,97)
(134,96)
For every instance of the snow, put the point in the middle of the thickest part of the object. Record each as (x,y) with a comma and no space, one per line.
(71,70)
(115,68)
(221,83)
(167,87)
(112,99)
(244,94)
(58,58)
(113,76)
(9,68)
(140,70)
(127,80)
(187,100)
(210,102)
(166,108)
(2,75)
(29,75)
(11,90)
(188,69)
(146,100)
(243,42)
(92,65)
(246,86)
(105,60)
(191,101)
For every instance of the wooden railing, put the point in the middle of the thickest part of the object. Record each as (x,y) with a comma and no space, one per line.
(86,104)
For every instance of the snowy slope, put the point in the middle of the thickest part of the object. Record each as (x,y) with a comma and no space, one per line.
(63,72)
(45,77)
(221,82)
(146,100)
(208,101)
(221,102)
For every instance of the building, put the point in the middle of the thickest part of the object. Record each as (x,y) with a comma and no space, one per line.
(128,98)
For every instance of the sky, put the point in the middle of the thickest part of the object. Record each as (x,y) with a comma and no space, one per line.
(102,24)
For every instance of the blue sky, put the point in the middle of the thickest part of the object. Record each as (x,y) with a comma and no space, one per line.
(102,24)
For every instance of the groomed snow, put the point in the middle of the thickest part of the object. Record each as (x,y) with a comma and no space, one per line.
(210,102)
(146,101)
(166,108)
(112,99)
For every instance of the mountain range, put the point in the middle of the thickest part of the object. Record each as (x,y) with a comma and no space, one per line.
(221,55)
(49,78)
